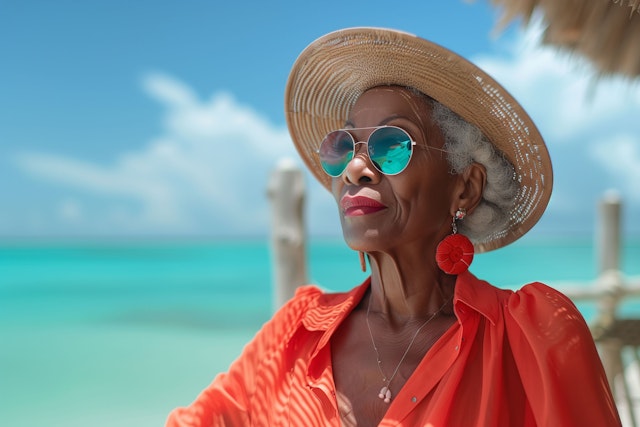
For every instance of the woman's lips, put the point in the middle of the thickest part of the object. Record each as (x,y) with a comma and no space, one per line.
(360,205)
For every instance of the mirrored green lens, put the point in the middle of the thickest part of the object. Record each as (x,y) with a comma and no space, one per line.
(390,149)
(336,151)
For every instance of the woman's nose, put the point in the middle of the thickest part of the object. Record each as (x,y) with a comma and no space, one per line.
(360,169)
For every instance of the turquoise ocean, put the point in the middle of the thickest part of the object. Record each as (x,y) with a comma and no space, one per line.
(117,333)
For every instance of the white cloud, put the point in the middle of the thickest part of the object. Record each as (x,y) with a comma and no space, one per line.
(207,171)
(559,90)
(620,155)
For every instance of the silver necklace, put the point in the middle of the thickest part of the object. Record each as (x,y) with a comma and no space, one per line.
(385,391)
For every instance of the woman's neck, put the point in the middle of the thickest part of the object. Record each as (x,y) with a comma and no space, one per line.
(408,287)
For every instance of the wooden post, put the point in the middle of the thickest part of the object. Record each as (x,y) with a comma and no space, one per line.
(610,283)
(286,191)
(608,244)
(609,232)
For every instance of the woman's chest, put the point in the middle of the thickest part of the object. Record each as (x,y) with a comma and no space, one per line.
(371,366)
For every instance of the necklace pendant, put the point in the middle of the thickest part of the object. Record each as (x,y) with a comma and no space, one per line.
(385,394)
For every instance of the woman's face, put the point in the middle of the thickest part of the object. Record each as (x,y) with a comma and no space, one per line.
(380,212)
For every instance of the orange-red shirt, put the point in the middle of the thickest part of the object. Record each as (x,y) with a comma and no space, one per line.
(522,358)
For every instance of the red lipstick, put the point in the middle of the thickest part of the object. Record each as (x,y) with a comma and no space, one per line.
(360,205)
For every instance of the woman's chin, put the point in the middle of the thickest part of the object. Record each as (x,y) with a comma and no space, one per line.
(363,242)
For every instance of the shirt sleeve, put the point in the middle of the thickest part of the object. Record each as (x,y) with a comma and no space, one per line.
(227,400)
(557,360)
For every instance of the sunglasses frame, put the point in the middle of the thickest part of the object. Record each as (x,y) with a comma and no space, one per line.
(355,143)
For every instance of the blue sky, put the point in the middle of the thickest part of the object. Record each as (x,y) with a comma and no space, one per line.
(165,118)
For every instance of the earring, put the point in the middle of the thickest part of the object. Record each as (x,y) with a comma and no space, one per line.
(454,253)
(363,264)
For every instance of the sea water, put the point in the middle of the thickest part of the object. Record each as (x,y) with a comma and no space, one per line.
(104,333)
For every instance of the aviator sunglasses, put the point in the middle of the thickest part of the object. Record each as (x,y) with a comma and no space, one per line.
(389,148)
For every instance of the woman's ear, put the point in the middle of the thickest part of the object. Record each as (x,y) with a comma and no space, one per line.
(470,187)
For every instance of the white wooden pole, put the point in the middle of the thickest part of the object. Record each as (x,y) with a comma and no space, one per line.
(286,191)
(608,247)
(610,282)
(609,232)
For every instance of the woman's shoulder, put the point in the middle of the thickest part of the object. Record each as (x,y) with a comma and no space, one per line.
(304,297)
(538,299)
(534,308)
(546,317)
(314,301)
(307,293)
(530,299)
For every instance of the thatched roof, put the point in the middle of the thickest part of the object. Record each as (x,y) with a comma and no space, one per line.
(607,32)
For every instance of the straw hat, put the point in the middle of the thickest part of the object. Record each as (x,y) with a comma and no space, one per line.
(332,72)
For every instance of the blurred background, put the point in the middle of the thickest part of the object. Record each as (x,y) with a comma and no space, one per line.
(136,143)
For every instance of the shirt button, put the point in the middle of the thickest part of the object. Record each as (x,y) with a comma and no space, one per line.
(414,399)
(457,348)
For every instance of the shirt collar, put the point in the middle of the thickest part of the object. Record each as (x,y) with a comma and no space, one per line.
(331,308)
(478,295)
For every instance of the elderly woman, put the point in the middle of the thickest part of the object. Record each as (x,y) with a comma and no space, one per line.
(428,158)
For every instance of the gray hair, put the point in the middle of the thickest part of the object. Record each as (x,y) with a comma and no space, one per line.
(465,144)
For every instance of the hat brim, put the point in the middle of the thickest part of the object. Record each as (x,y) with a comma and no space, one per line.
(334,70)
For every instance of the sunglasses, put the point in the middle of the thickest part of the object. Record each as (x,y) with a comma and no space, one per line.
(389,148)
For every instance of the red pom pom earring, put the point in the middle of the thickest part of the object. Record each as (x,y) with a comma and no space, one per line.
(454,253)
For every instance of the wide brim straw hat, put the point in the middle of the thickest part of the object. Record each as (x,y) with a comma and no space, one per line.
(334,70)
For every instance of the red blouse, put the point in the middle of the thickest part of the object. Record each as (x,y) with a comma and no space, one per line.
(522,358)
